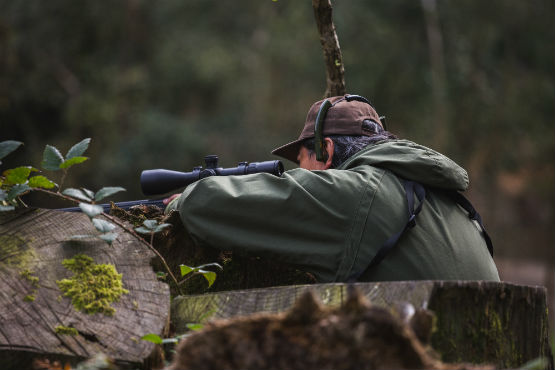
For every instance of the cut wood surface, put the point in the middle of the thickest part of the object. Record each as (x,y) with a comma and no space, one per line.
(33,244)
(477,322)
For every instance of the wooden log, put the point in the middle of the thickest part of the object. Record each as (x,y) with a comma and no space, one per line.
(38,322)
(477,322)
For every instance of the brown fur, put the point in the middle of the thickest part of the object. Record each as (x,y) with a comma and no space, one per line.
(309,336)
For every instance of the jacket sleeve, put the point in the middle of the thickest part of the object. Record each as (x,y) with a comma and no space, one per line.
(298,218)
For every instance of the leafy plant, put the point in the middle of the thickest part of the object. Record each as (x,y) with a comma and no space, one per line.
(18,181)
(189,271)
(156,339)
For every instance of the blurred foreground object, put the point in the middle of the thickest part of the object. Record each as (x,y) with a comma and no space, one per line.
(501,324)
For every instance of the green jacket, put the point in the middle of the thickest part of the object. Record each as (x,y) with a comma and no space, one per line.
(331,223)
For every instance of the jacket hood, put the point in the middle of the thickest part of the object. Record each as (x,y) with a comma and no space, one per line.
(412,162)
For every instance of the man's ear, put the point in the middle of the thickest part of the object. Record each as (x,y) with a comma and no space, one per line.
(329,146)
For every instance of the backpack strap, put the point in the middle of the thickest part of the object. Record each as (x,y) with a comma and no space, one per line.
(472,214)
(411,189)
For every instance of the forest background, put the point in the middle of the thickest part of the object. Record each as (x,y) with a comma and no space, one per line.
(161,84)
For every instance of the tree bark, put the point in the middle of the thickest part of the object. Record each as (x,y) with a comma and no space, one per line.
(33,244)
(335,71)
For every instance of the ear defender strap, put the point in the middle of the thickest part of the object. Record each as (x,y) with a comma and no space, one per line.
(364,100)
(358,98)
(319,131)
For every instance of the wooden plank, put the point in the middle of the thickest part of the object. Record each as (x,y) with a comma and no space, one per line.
(33,244)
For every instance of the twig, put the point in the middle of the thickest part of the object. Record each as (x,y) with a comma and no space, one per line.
(150,246)
(335,71)
(62,179)
(58,195)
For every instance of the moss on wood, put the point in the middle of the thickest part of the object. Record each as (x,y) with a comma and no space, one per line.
(66,330)
(14,252)
(93,287)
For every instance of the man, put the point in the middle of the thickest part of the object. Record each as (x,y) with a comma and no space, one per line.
(362,206)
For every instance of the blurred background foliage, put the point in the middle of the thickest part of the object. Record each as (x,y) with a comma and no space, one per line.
(160,84)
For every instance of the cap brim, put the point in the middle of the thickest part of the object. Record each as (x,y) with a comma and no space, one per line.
(289,151)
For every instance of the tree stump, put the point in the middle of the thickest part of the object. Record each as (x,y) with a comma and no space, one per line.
(38,322)
(477,322)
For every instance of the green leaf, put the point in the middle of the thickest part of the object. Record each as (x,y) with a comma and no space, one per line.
(108,237)
(107,191)
(194,326)
(143,230)
(210,265)
(17,190)
(210,276)
(41,182)
(17,175)
(76,193)
(88,193)
(78,149)
(102,225)
(91,210)
(70,162)
(6,208)
(186,269)
(152,338)
(8,146)
(150,224)
(161,227)
(51,158)
(3,195)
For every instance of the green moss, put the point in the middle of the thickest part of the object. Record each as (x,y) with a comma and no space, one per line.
(14,252)
(34,281)
(93,287)
(65,330)
(464,336)
(28,275)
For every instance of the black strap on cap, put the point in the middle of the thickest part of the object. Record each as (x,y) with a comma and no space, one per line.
(364,100)
(359,98)
(411,188)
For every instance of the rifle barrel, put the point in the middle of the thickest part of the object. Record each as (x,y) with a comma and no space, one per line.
(123,205)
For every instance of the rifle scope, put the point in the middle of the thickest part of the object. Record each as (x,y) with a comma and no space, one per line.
(162,181)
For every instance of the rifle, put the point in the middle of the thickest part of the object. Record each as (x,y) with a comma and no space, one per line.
(161,181)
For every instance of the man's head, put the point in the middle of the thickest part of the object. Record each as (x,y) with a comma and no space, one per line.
(348,124)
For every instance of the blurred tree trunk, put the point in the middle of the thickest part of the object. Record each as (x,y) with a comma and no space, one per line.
(437,70)
(335,71)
